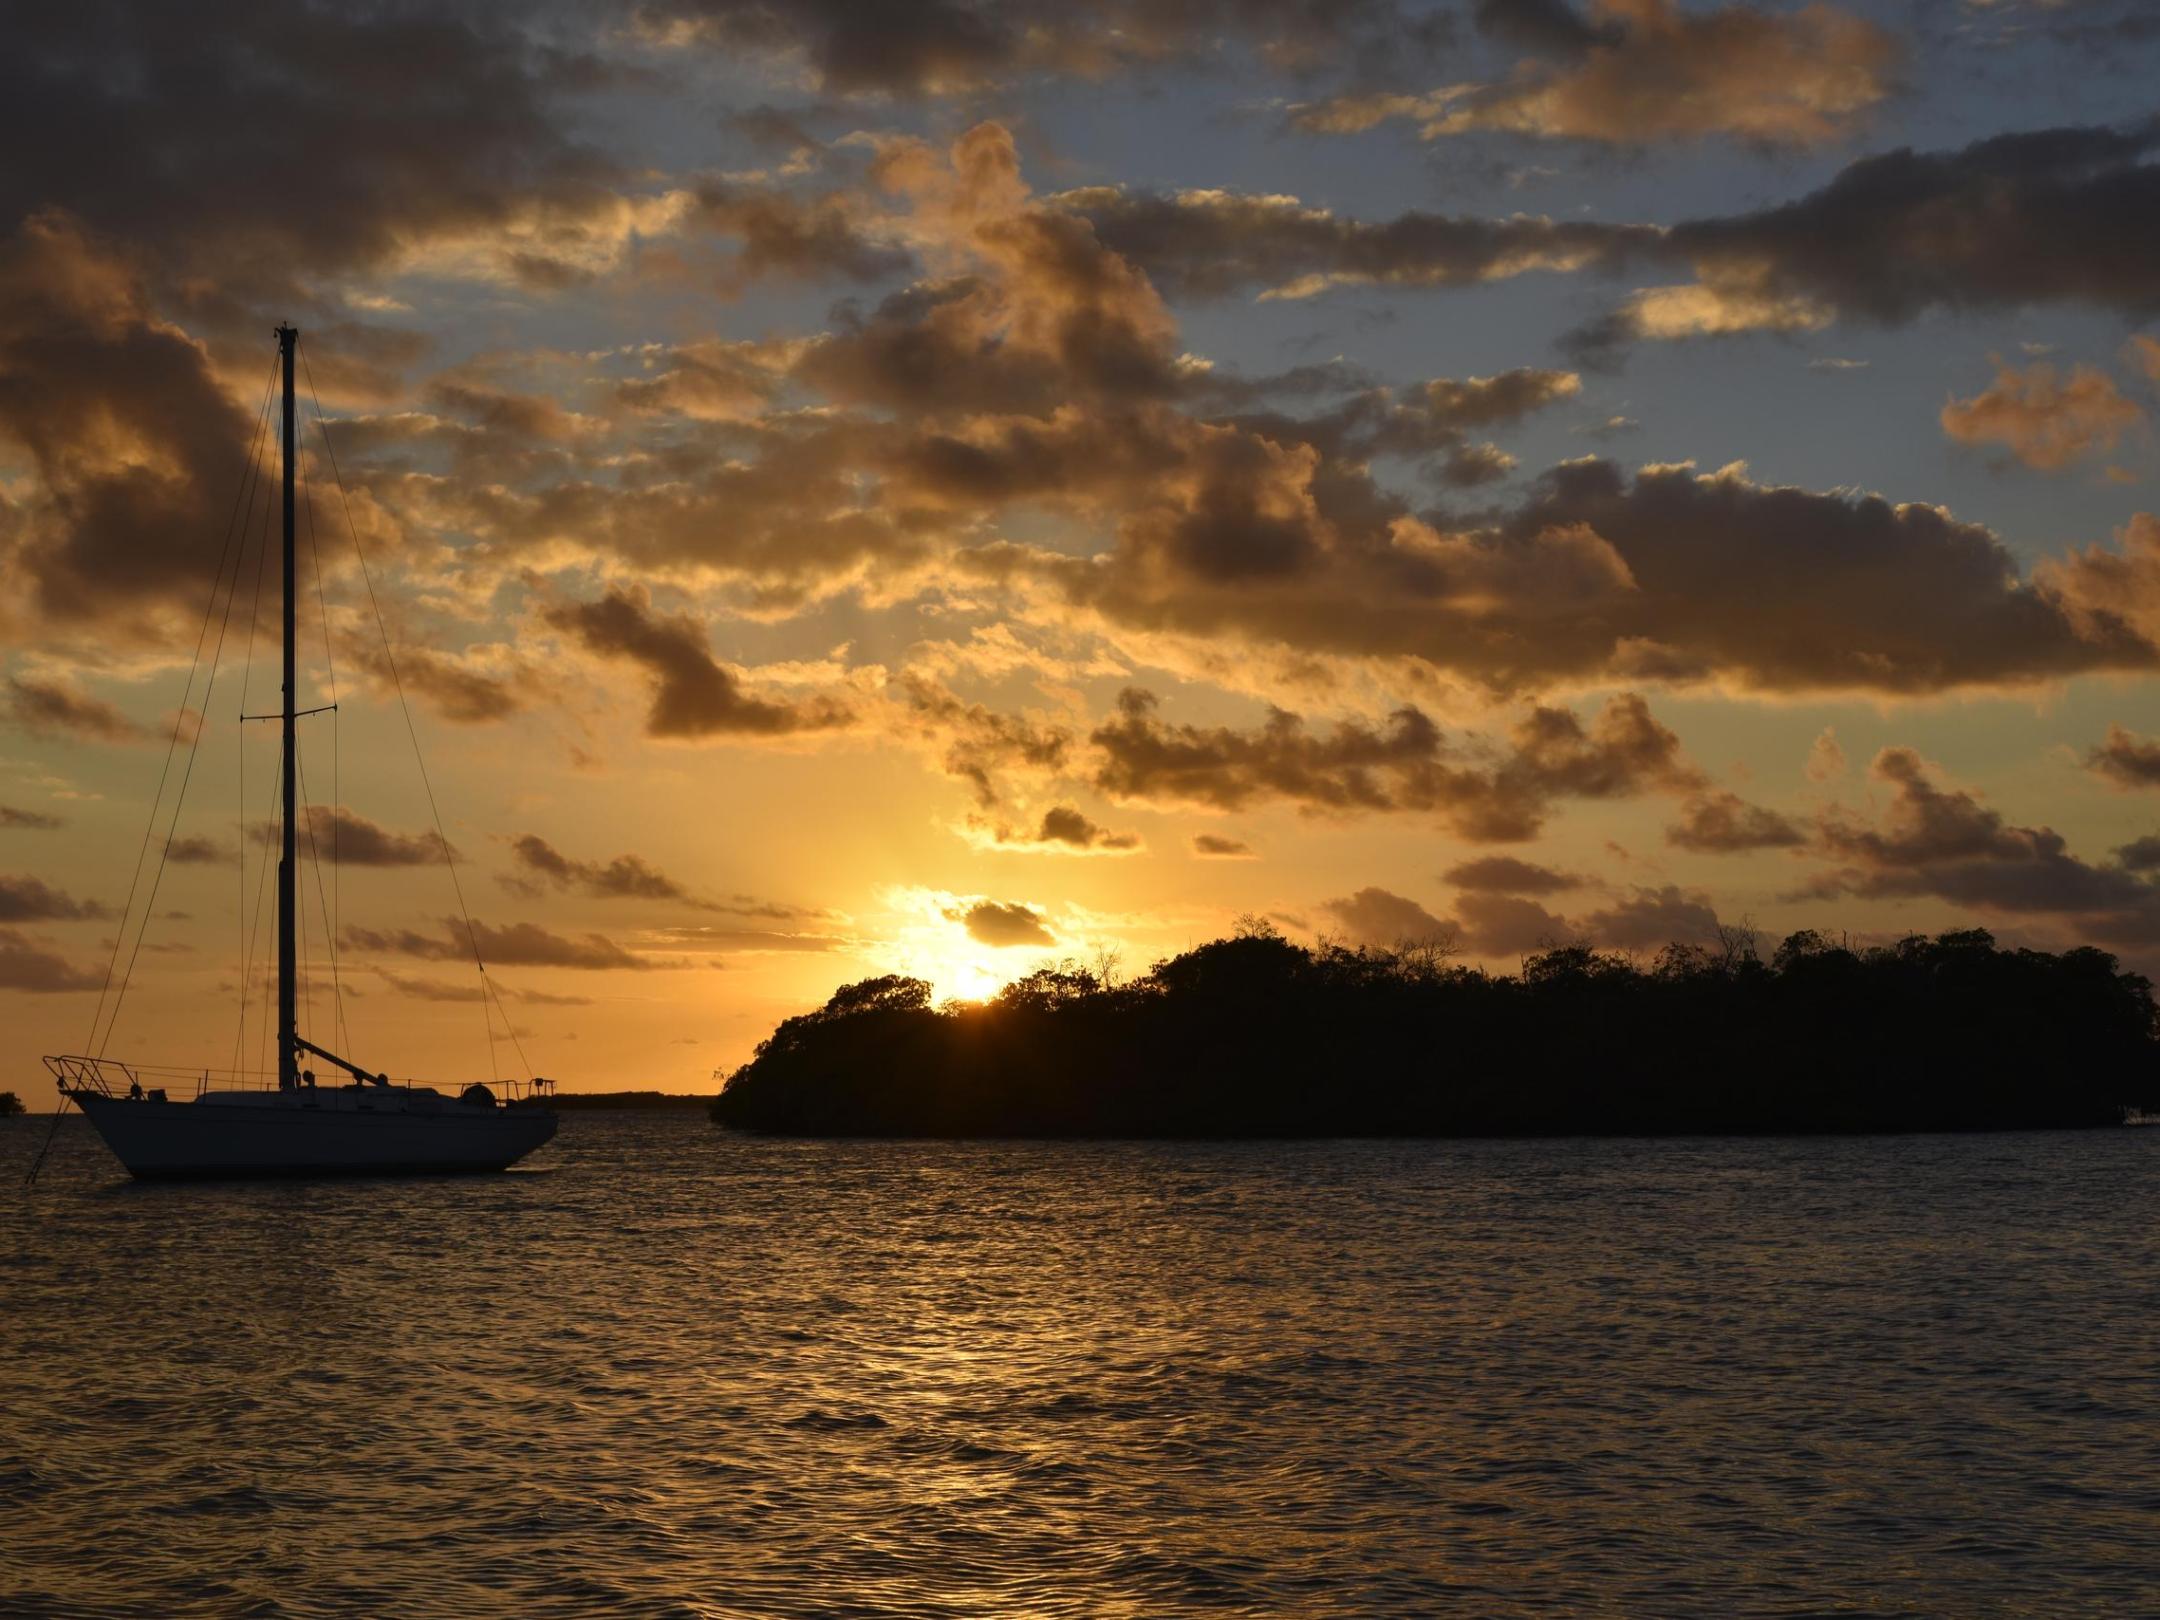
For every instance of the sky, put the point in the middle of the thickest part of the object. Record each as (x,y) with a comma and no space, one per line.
(807,489)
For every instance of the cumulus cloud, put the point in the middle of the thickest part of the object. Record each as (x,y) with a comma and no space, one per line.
(27,965)
(786,236)
(2108,593)
(358,841)
(1650,918)
(991,922)
(1595,577)
(2050,216)
(1944,843)
(1373,916)
(1504,874)
(1722,823)
(1061,831)
(2126,759)
(1404,766)
(1639,71)
(28,899)
(1493,923)
(1825,758)
(457,687)
(693,694)
(28,820)
(976,743)
(54,709)
(121,414)
(1507,925)
(2046,420)
(626,877)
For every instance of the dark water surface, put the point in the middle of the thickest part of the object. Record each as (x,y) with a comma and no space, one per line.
(671,1372)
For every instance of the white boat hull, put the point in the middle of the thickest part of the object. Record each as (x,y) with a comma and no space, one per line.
(160,1140)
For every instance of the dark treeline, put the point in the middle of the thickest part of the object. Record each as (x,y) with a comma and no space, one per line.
(1257,1036)
(9,1104)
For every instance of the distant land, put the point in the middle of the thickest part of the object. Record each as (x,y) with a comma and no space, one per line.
(1255,1036)
(631,1099)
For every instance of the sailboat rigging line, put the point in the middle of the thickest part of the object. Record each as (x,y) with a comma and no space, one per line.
(397,681)
(233,527)
(337,989)
(172,829)
(251,919)
(509,1028)
(330,911)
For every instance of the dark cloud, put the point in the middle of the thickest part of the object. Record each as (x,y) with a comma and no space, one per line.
(1655,71)
(1430,424)
(29,820)
(2126,759)
(1650,918)
(2140,854)
(1374,916)
(796,238)
(1504,874)
(198,851)
(626,877)
(470,990)
(1062,830)
(1215,847)
(978,744)
(513,945)
(28,899)
(1405,766)
(392,126)
(1146,757)
(133,439)
(357,841)
(990,922)
(693,695)
(1208,244)
(1722,823)
(26,965)
(1669,576)
(453,687)
(954,47)
(49,708)
(1507,925)
(1546,27)
(1943,843)
(2054,216)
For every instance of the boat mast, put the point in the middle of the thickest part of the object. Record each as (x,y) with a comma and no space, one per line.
(288,866)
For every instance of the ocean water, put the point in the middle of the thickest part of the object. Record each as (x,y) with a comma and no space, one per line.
(666,1371)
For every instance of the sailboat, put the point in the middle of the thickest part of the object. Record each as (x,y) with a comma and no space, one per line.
(362,1125)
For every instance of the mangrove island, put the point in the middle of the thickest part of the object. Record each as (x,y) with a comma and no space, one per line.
(1256,1036)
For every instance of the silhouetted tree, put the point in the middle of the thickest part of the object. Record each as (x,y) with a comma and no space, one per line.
(10,1104)
(1256,1036)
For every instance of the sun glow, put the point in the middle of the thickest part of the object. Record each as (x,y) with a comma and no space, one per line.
(931,942)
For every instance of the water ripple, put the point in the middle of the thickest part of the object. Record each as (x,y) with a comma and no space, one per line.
(673,1373)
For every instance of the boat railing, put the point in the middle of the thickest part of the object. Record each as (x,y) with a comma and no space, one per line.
(73,1073)
(109,1077)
